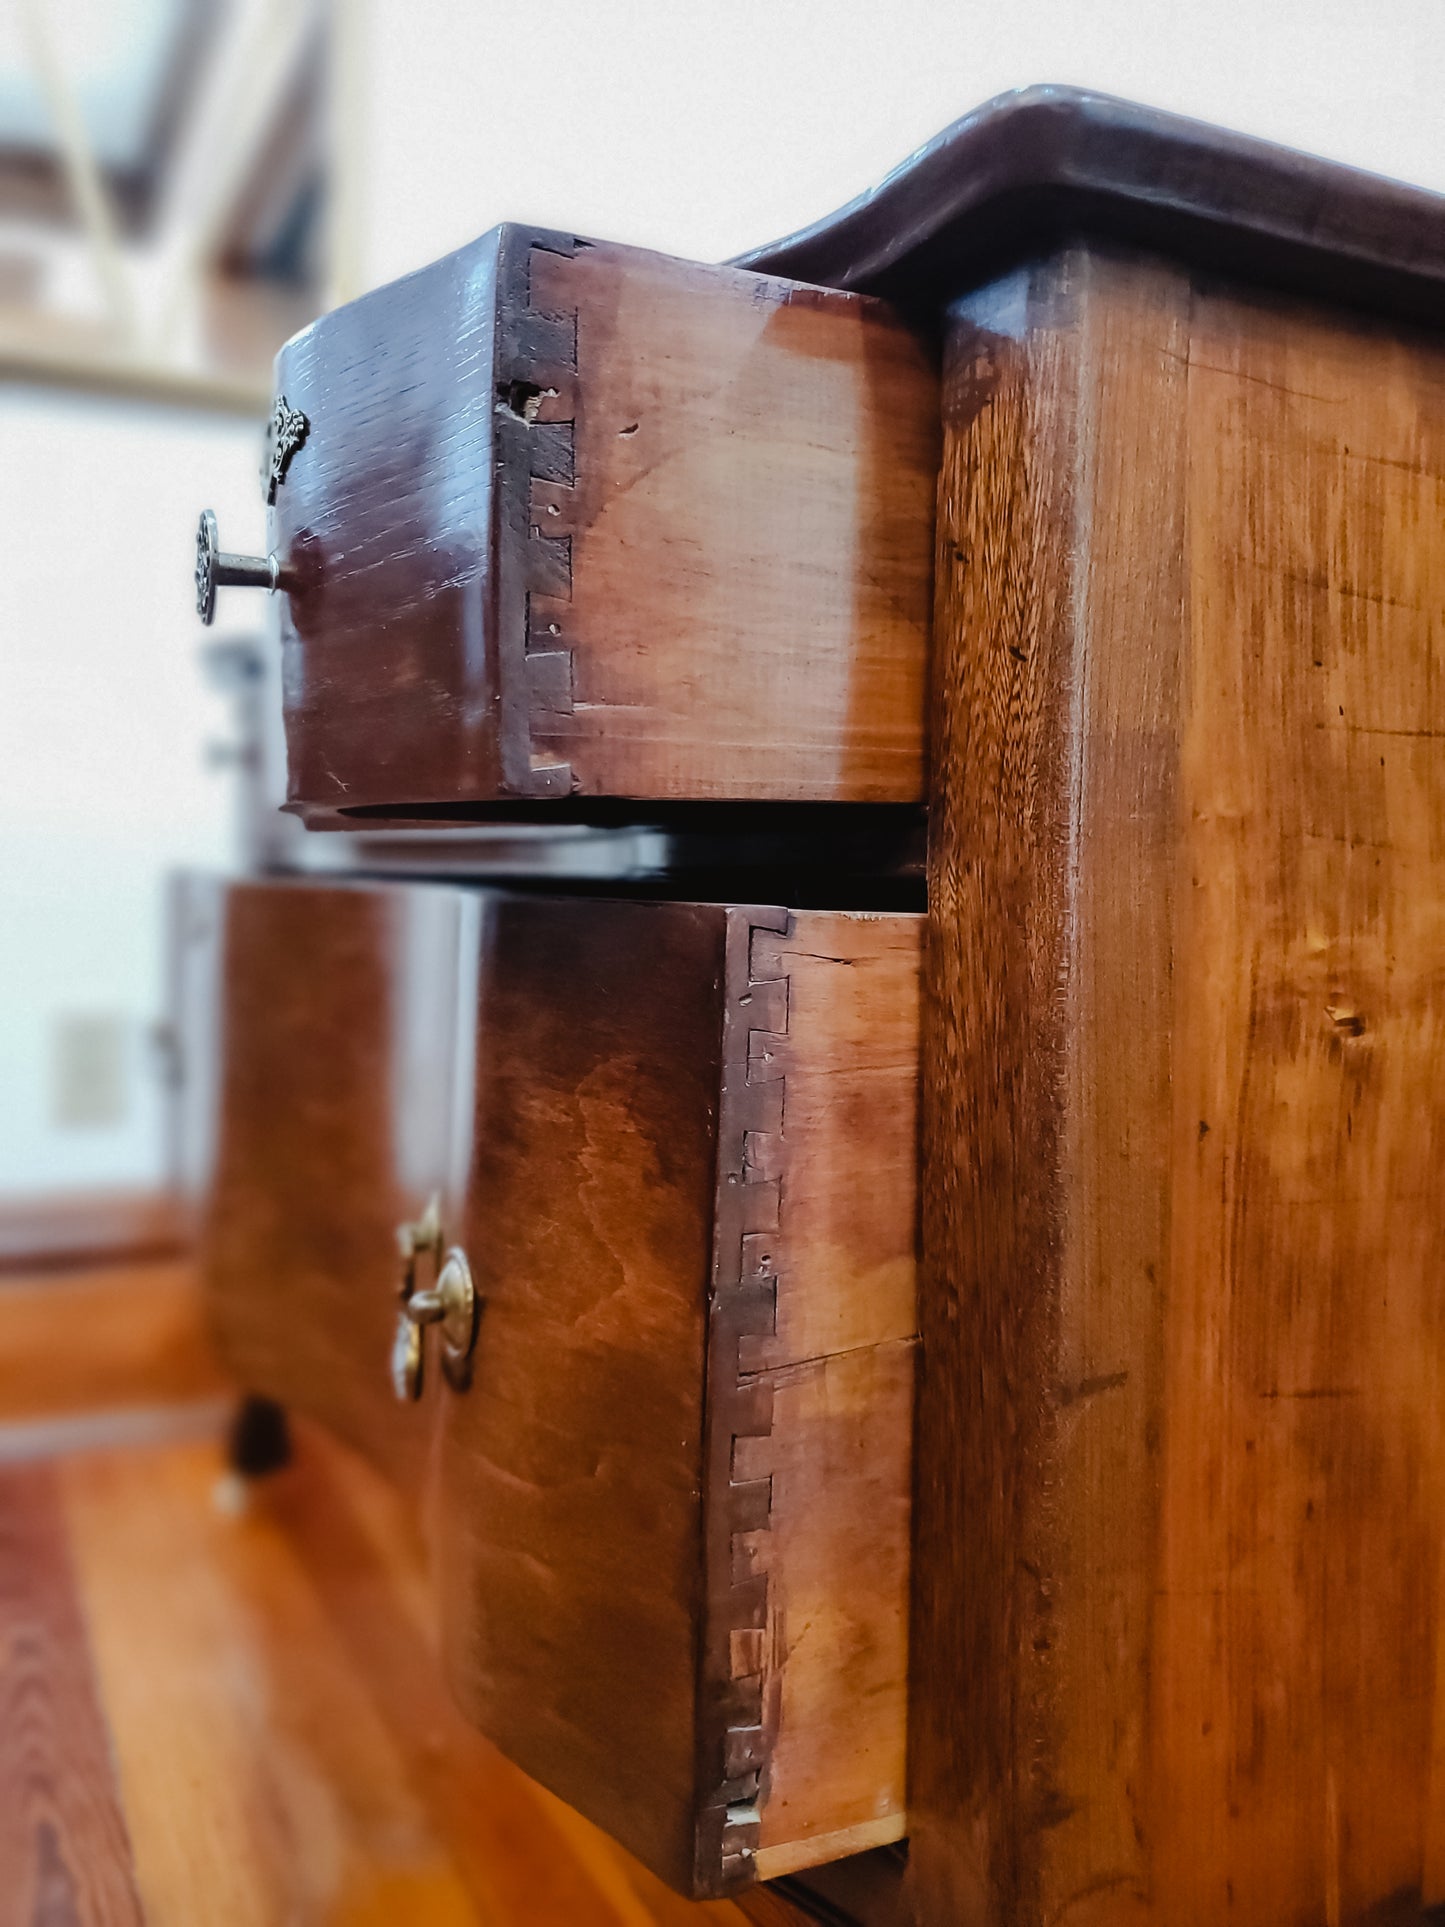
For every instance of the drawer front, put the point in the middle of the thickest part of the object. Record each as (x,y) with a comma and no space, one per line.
(669,1503)
(333,1027)
(576,520)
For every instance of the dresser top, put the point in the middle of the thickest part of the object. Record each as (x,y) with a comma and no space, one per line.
(1043,164)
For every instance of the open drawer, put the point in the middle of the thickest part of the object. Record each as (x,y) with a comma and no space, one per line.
(668,1485)
(558,520)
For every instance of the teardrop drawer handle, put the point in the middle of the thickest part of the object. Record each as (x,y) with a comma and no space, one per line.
(453,1305)
(215,569)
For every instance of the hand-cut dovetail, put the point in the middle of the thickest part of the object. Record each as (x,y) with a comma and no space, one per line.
(739,1709)
(535,428)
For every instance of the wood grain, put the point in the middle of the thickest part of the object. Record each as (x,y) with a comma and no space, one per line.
(1033,167)
(840,1460)
(750,524)
(807,1455)
(1304,1474)
(523,1853)
(285,1742)
(568,1526)
(238,1653)
(1178,1541)
(65,1856)
(677,1142)
(829,1009)
(122,1338)
(338,1032)
(232,1702)
(575,520)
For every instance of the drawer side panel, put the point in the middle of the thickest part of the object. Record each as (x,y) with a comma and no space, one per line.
(570,1471)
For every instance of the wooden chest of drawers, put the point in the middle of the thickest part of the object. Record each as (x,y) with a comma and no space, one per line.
(669,1509)
(577,532)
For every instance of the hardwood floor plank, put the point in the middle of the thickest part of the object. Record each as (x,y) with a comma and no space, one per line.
(541,1864)
(65,1857)
(259,1783)
(284,1746)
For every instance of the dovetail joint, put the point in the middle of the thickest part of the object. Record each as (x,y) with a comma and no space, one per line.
(740,1709)
(536,411)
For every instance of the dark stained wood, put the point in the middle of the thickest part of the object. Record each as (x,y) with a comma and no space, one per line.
(670,1513)
(568,1526)
(1037,166)
(524,1854)
(1179,1494)
(337,1038)
(864,1890)
(65,1856)
(611,1394)
(574,520)
(767,1907)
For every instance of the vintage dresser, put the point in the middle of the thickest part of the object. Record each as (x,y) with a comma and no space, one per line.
(962,1363)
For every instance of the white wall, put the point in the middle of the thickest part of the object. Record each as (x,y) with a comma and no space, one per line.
(705,126)
(104,719)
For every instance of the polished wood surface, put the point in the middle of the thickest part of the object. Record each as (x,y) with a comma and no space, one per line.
(574,520)
(568,1526)
(1032,168)
(65,1854)
(1180,1484)
(224,1704)
(1177,1556)
(750,524)
(670,1513)
(337,1033)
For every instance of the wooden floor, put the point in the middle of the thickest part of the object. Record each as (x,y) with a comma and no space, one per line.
(220,1704)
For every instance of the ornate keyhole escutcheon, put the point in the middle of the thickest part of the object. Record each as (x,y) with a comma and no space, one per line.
(286,434)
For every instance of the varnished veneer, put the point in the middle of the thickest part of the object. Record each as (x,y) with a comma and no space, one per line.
(1032,169)
(333,1013)
(670,1514)
(1178,1542)
(65,1853)
(258,1690)
(573,520)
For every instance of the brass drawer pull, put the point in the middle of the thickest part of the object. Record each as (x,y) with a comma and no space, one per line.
(450,1303)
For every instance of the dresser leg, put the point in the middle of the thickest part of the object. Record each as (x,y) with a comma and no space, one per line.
(259,1440)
